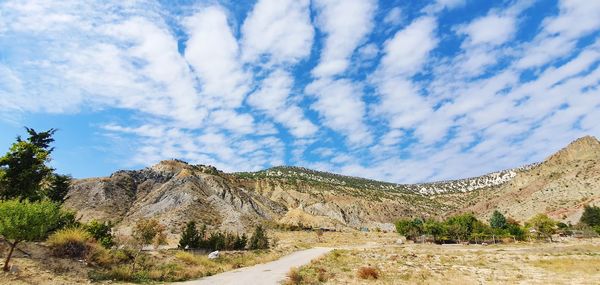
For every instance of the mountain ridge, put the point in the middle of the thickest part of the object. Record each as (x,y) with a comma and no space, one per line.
(175,191)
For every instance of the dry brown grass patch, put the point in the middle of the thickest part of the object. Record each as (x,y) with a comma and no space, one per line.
(367,272)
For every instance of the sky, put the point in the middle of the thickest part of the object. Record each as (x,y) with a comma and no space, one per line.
(400,91)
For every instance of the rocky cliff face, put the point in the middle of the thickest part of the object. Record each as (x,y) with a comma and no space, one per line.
(175,192)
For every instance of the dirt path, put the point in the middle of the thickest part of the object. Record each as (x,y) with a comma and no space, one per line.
(270,273)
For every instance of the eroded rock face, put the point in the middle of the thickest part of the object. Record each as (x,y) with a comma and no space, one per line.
(175,192)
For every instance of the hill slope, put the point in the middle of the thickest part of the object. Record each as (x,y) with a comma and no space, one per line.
(175,192)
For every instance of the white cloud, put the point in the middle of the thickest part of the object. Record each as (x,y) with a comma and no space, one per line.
(560,33)
(407,51)
(340,104)
(440,5)
(280,29)
(346,23)
(394,16)
(492,29)
(213,52)
(273,98)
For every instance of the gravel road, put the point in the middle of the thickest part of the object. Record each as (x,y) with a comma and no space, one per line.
(270,273)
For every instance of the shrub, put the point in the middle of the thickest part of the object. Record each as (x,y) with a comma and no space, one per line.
(70,242)
(101,232)
(368,272)
(294,277)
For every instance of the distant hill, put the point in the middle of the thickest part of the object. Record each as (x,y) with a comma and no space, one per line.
(175,192)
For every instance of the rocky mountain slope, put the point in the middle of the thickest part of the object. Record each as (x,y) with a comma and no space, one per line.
(560,186)
(175,192)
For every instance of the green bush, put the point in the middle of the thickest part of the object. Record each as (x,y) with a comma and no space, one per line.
(101,232)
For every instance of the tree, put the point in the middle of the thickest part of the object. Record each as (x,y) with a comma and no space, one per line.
(543,225)
(58,187)
(461,227)
(259,239)
(411,229)
(149,231)
(26,221)
(190,238)
(433,228)
(497,221)
(24,173)
(591,216)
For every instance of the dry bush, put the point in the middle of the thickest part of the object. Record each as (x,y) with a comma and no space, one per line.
(294,277)
(367,272)
(71,242)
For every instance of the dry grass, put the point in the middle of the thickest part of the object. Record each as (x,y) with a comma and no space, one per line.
(70,242)
(367,272)
(572,262)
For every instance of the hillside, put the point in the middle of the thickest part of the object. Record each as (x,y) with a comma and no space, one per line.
(560,186)
(175,192)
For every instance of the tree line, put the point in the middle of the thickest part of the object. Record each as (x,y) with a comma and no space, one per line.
(201,239)
(467,228)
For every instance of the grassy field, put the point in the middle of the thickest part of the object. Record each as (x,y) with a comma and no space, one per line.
(569,262)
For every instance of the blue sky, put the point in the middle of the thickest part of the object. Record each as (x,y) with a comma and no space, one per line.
(402,91)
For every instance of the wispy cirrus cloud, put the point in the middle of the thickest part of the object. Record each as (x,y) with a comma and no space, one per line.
(384,90)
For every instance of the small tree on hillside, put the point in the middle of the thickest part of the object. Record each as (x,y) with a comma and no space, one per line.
(591,216)
(149,232)
(26,221)
(497,221)
(190,238)
(259,239)
(411,229)
(543,225)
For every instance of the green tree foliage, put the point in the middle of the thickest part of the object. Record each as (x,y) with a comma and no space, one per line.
(190,237)
(498,221)
(514,229)
(543,225)
(434,228)
(259,239)
(460,227)
(26,221)
(101,232)
(411,229)
(591,216)
(58,187)
(24,173)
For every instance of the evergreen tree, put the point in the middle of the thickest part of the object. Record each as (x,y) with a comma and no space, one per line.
(591,216)
(497,221)
(190,238)
(24,173)
(259,239)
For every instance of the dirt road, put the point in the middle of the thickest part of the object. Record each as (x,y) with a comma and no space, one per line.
(263,274)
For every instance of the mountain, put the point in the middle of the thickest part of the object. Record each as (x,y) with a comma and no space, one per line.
(175,192)
(560,186)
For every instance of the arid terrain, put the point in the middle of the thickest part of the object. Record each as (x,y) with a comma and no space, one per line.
(566,262)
